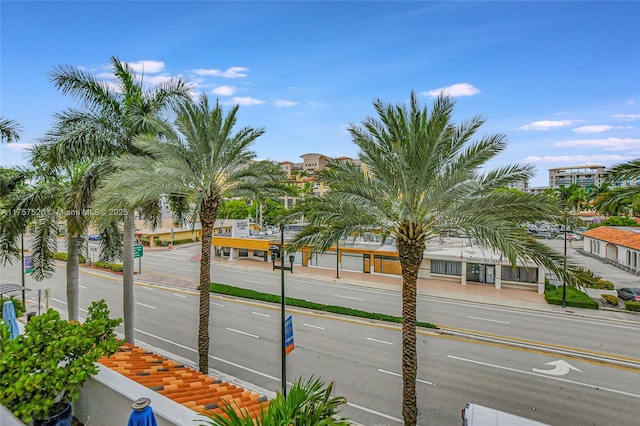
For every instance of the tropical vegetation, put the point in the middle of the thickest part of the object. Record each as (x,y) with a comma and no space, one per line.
(307,403)
(9,130)
(425,174)
(203,161)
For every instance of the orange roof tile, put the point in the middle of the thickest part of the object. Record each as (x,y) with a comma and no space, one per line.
(612,234)
(199,392)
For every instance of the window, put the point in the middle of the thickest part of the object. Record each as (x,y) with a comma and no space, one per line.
(446,267)
(520,274)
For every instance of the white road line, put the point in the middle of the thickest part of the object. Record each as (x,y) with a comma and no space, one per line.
(184,270)
(545,376)
(377,413)
(243,332)
(233,364)
(59,301)
(179,295)
(255,282)
(313,326)
(379,341)
(486,319)
(145,305)
(426,382)
(83,310)
(217,304)
(262,315)
(81,286)
(347,297)
(147,288)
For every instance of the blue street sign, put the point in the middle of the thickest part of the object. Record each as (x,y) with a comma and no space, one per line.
(288,335)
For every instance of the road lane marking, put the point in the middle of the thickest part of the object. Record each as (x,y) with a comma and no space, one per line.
(148,288)
(81,286)
(515,370)
(255,282)
(83,310)
(377,413)
(243,332)
(313,326)
(184,270)
(59,301)
(146,306)
(215,358)
(179,295)
(400,375)
(217,304)
(379,341)
(262,315)
(560,368)
(349,297)
(490,320)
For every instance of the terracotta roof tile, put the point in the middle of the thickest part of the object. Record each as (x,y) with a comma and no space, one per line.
(186,386)
(612,234)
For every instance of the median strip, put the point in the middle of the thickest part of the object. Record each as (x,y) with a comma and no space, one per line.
(228,290)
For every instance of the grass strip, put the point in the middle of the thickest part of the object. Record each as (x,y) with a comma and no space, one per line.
(575,298)
(300,303)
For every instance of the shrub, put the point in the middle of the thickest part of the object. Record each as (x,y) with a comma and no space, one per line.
(611,299)
(115,267)
(63,256)
(575,298)
(631,305)
(548,286)
(183,241)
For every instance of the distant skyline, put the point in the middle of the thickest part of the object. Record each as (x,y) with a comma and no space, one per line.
(560,79)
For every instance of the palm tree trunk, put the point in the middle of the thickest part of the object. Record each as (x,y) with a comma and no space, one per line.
(208,213)
(72,276)
(411,255)
(127,276)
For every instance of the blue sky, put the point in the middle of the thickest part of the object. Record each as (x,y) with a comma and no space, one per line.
(560,79)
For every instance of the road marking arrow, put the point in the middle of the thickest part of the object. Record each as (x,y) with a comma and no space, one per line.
(561,368)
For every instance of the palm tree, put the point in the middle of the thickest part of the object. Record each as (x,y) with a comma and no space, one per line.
(203,163)
(113,116)
(424,175)
(307,403)
(9,130)
(613,199)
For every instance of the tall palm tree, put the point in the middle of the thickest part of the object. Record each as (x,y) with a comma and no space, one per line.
(204,162)
(424,175)
(612,200)
(113,115)
(9,130)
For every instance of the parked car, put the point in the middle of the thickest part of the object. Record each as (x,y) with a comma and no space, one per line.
(570,236)
(629,294)
(95,237)
(543,234)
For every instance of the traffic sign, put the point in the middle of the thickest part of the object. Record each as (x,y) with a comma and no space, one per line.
(288,335)
(137,251)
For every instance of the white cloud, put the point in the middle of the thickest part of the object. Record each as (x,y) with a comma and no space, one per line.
(459,89)
(19,147)
(615,144)
(147,66)
(545,125)
(630,102)
(231,72)
(224,90)
(593,129)
(626,116)
(576,159)
(155,79)
(281,103)
(246,101)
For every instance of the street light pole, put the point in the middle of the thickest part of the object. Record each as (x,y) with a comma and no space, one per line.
(337,259)
(564,280)
(275,253)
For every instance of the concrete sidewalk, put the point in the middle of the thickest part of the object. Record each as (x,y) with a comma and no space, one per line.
(471,292)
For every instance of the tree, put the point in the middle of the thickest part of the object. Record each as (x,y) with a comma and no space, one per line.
(615,199)
(203,162)
(234,209)
(113,116)
(9,130)
(423,176)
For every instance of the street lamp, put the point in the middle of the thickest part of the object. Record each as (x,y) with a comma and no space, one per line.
(275,253)
(564,279)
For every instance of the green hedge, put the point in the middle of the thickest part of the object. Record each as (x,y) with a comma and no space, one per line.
(631,305)
(115,267)
(575,298)
(63,256)
(611,299)
(183,241)
(300,303)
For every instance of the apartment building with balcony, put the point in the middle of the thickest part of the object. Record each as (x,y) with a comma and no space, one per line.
(584,176)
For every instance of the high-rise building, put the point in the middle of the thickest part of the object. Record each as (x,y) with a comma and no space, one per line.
(584,176)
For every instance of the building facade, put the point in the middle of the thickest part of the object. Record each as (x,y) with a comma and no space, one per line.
(584,176)
(616,245)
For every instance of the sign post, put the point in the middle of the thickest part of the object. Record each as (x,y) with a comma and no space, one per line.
(137,254)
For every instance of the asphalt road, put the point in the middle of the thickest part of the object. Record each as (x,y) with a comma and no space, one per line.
(364,359)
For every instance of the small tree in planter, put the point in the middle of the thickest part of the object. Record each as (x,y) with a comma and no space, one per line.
(41,371)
